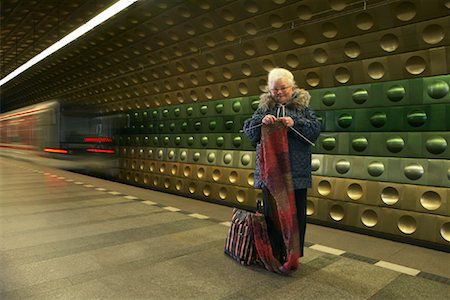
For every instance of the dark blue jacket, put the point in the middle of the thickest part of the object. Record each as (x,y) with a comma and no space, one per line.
(305,122)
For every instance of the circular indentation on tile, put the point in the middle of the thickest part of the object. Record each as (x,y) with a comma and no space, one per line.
(329,98)
(395,144)
(200,173)
(220,141)
(315,164)
(162,168)
(249,49)
(310,208)
(438,89)
(237,141)
(194,79)
(227,15)
(292,61)
(364,21)
(324,188)
(209,41)
(183,155)
(433,34)
(174,170)
(192,188)
(415,65)
(211,157)
(369,218)
(407,224)
(240,196)
(237,106)
(245,159)
(251,179)
(345,120)
(405,11)
(209,76)
(167,183)
(376,70)
(329,30)
(342,75)
(146,179)
(233,177)
(342,166)
(445,230)
(360,96)
(304,12)
(389,42)
(375,168)
(219,108)
(179,185)
(337,212)
(329,143)
(250,28)
(390,195)
(360,144)
(251,7)
(204,141)
(354,191)
(298,37)
(216,175)
(156,181)
(378,119)
(196,157)
(275,21)
(224,91)
(227,158)
(338,5)
(312,79)
(352,49)
(228,54)
(431,200)
(223,193)
(272,44)
(207,190)
(414,171)
(242,88)
(416,118)
(187,171)
(396,93)
(246,70)
(152,167)
(320,55)
(207,23)
(436,145)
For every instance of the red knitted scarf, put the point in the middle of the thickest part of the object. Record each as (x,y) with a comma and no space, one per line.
(275,172)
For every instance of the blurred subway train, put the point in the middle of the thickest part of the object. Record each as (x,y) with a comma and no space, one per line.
(64,136)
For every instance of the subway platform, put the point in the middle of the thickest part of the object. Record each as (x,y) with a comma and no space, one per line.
(71,236)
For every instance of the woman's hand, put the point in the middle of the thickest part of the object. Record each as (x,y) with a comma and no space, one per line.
(287,121)
(269,119)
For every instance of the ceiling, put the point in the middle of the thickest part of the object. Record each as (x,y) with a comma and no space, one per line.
(29,27)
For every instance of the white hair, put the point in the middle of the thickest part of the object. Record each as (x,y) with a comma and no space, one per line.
(280,73)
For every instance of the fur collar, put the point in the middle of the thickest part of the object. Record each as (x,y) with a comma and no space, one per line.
(300,99)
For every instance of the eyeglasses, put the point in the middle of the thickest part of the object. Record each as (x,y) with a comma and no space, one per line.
(281,89)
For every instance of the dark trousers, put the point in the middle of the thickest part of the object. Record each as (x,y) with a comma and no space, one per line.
(276,238)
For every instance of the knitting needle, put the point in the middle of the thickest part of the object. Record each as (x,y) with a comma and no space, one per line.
(260,124)
(304,137)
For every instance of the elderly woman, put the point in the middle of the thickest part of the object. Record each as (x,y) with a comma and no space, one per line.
(285,104)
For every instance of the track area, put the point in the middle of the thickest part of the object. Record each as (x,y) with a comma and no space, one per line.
(71,236)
